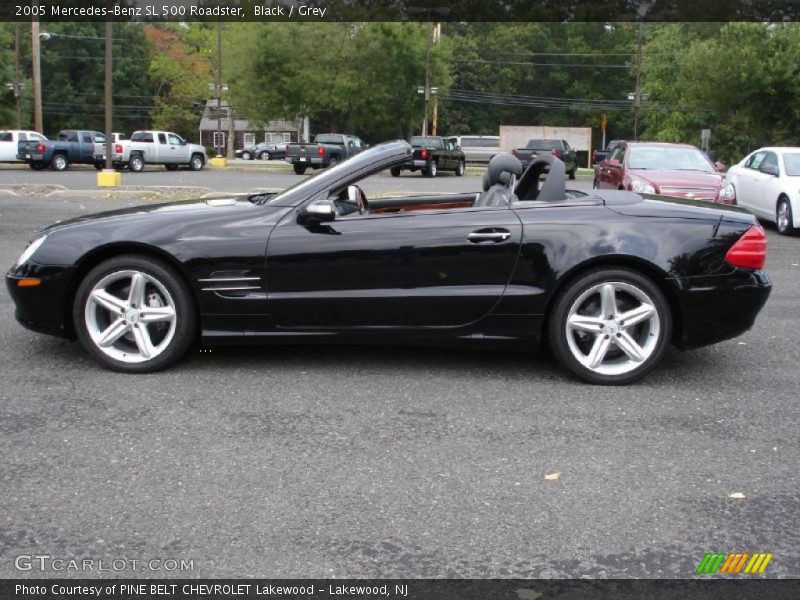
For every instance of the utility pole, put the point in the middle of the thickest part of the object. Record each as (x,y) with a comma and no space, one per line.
(109,98)
(437,34)
(218,143)
(17,84)
(637,101)
(427,91)
(38,125)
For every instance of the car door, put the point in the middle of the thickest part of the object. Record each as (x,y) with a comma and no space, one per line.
(176,149)
(611,177)
(746,182)
(766,183)
(428,268)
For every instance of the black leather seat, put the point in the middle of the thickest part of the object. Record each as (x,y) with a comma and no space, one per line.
(499,180)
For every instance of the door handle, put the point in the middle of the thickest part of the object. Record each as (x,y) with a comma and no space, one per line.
(499,235)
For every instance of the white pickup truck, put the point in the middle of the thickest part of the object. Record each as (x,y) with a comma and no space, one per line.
(160,148)
(10,139)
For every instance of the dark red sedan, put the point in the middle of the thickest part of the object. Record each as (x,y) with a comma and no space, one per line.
(678,170)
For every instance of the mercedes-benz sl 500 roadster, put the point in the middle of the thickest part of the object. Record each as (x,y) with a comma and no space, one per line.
(607,280)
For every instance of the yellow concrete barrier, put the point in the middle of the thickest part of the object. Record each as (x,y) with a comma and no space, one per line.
(109,178)
(218,161)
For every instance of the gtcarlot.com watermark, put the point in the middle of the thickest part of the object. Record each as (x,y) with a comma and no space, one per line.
(47,562)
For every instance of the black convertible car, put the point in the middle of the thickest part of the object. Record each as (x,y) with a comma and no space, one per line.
(608,279)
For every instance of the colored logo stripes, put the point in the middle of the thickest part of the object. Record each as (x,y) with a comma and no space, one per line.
(733,563)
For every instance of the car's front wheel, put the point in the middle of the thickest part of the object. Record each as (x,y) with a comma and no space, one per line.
(610,326)
(395,171)
(784,219)
(264,155)
(247,156)
(196,163)
(460,168)
(134,314)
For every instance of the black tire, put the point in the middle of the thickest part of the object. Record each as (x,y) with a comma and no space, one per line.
(99,166)
(784,218)
(582,297)
(571,174)
(36,166)
(175,343)
(247,156)
(136,163)
(299,169)
(594,184)
(460,168)
(431,169)
(196,163)
(59,162)
(171,167)
(333,161)
(395,171)
(264,155)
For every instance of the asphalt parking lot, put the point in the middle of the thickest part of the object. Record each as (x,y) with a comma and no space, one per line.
(395,462)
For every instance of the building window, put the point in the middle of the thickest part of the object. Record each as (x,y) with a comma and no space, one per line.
(287,137)
(249,139)
(219,139)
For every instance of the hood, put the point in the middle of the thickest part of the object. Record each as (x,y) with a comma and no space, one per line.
(200,209)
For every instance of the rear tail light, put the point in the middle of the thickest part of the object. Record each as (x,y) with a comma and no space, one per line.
(424,153)
(750,250)
(40,148)
(321,150)
(118,148)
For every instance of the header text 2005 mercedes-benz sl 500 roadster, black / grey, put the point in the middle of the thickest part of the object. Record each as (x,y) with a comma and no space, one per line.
(607,279)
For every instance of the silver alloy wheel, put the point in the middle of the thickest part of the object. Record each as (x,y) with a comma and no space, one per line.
(782,220)
(246,155)
(264,155)
(460,168)
(130,316)
(196,163)
(59,162)
(612,328)
(432,169)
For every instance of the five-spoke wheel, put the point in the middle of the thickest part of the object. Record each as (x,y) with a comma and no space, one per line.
(134,314)
(610,326)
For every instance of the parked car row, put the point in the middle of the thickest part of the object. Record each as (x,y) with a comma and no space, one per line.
(262,151)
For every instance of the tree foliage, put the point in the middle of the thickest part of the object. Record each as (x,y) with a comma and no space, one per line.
(346,76)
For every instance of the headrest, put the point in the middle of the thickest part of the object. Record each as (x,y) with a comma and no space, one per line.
(501,163)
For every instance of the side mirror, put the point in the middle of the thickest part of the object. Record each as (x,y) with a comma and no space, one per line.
(719,166)
(614,164)
(319,211)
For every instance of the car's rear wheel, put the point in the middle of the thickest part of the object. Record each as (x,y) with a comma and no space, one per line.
(431,169)
(784,219)
(59,162)
(299,169)
(610,326)
(136,163)
(460,168)
(134,314)
(334,161)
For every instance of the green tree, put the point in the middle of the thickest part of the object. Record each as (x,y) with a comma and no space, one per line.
(358,77)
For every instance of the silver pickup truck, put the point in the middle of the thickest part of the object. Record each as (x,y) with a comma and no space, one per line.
(160,148)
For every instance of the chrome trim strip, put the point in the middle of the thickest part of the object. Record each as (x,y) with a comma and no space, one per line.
(223,279)
(231,289)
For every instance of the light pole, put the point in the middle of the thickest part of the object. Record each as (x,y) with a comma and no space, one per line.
(36,57)
(108,177)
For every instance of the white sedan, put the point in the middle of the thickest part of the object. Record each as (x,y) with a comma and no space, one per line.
(767,183)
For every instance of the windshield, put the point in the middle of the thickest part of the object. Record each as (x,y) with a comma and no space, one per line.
(334,173)
(668,159)
(545,144)
(428,142)
(792,164)
(329,139)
